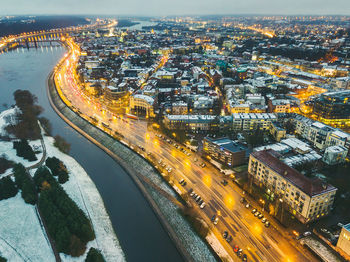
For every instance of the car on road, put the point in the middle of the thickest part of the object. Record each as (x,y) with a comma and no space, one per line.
(307,233)
(224,182)
(216,221)
(183,182)
(254,210)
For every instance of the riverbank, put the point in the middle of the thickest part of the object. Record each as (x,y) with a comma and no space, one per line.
(187,241)
(22,236)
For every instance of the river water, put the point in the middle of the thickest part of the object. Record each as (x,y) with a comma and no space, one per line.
(138,229)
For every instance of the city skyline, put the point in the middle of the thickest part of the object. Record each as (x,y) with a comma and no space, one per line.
(181,7)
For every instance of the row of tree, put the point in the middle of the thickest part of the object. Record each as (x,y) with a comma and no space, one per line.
(24,183)
(23,149)
(66,222)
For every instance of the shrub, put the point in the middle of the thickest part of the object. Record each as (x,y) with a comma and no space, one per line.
(62,144)
(94,255)
(57,169)
(45,123)
(23,149)
(7,188)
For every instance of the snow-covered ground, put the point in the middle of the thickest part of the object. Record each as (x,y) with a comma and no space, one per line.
(6,117)
(21,235)
(7,151)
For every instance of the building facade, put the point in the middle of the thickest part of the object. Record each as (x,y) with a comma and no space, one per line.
(142,104)
(344,239)
(307,199)
(251,121)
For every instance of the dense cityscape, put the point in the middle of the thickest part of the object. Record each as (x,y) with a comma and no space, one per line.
(241,123)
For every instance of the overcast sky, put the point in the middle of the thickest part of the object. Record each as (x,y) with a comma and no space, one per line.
(174,7)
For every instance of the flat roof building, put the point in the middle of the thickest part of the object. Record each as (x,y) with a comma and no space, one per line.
(226,151)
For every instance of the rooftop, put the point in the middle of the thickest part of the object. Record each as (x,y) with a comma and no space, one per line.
(347,227)
(309,186)
(227,144)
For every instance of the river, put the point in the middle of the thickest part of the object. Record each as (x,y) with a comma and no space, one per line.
(138,229)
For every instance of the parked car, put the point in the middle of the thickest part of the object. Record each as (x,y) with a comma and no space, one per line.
(264,220)
(256,214)
(254,210)
(260,216)
(229,239)
(247,205)
(244,257)
(202,205)
(225,234)
(235,249)
(267,224)
(307,233)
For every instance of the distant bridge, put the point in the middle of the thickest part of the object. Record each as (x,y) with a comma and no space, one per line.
(53,35)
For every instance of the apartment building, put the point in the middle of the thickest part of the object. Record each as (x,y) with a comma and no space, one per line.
(251,121)
(307,199)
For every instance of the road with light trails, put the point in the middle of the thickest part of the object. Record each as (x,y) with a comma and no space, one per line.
(258,242)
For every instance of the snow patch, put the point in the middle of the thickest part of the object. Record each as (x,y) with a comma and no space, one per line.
(21,236)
